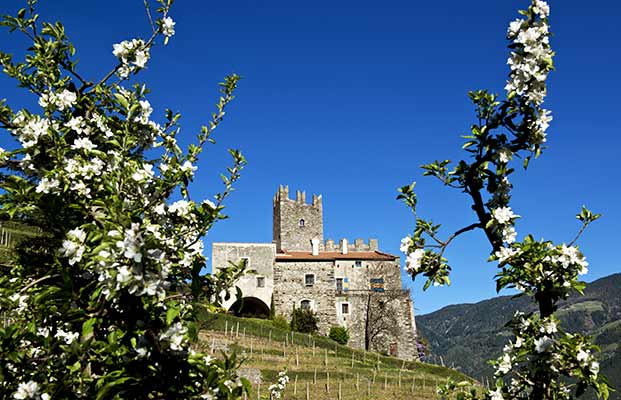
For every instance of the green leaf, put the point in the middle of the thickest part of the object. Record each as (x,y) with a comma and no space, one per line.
(87,329)
(172,313)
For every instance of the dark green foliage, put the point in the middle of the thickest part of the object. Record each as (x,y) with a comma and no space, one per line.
(339,334)
(304,321)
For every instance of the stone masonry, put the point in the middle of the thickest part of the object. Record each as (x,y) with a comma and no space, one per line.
(346,284)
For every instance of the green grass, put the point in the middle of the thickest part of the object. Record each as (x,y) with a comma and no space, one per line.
(583,306)
(269,350)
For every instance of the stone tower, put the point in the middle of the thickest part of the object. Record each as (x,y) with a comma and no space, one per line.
(295,223)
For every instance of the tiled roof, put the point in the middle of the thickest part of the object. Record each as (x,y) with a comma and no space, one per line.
(334,255)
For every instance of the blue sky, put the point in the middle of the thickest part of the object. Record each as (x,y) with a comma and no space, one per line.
(348,99)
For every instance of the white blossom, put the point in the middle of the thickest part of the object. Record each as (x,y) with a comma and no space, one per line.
(83,143)
(188,168)
(4,155)
(505,253)
(414,260)
(27,390)
(542,8)
(496,394)
(549,327)
(594,367)
(132,243)
(210,204)
(529,62)
(278,388)
(509,234)
(47,185)
(123,275)
(145,111)
(505,364)
(176,336)
(132,54)
(583,357)
(142,56)
(571,256)
(21,300)
(504,155)
(543,344)
(514,27)
(32,130)
(60,101)
(143,174)
(168,27)
(66,99)
(405,244)
(76,124)
(181,207)
(73,247)
(503,215)
(66,336)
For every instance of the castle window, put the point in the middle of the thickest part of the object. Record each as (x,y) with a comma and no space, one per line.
(358,264)
(305,305)
(260,281)
(309,279)
(345,308)
(377,284)
(302,223)
(339,284)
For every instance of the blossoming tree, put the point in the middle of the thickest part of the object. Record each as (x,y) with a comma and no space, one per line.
(100,303)
(542,362)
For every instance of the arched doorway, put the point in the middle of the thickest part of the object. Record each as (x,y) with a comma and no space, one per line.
(250,307)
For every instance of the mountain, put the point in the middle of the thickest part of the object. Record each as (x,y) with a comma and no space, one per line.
(467,335)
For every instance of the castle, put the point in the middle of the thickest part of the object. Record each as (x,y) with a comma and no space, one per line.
(346,284)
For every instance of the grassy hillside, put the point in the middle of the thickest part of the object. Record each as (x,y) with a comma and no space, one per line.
(317,364)
(467,335)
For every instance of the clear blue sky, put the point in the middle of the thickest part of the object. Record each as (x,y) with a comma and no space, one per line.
(348,98)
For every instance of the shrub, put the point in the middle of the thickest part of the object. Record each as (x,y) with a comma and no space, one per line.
(303,321)
(280,322)
(339,334)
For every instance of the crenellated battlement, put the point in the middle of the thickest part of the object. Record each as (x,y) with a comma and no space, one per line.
(296,223)
(356,245)
(300,197)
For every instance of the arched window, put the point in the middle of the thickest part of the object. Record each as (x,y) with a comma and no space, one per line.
(302,223)
(305,305)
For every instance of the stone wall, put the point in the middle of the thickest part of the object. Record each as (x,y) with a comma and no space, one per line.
(290,290)
(260,263)
(289,232)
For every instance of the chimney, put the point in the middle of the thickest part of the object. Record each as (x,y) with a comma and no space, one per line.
(315,243)
(344,246)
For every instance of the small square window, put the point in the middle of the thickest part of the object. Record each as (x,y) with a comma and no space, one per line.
(345,308)
(309,279)
(339,284)
(358,264)
(260,281)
